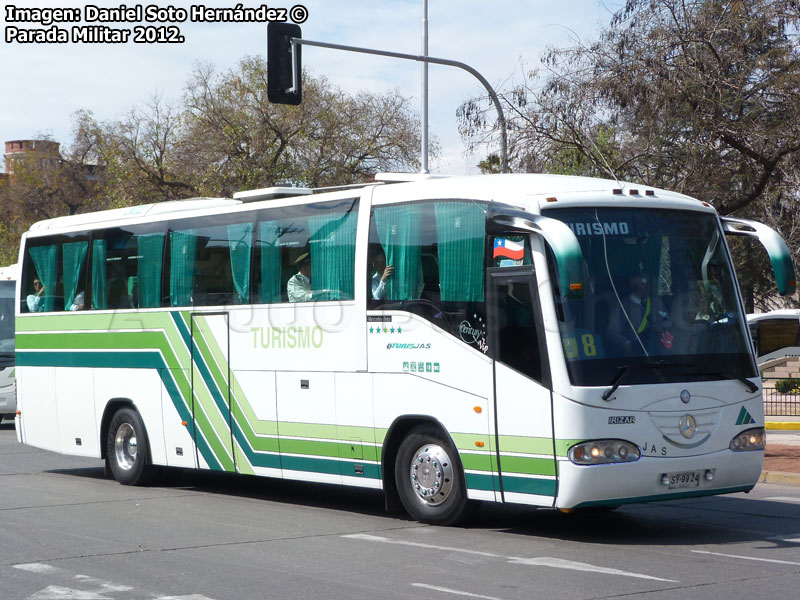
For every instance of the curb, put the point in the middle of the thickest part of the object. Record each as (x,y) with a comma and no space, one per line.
(782,425)
(780,478)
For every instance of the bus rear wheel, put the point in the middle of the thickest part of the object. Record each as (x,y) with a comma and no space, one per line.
(429,478)
(127,450)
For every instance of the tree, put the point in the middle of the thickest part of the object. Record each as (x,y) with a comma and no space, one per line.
(140,154)
(332,138)
(223,136)
(227,137)
(44,183)
(699,96)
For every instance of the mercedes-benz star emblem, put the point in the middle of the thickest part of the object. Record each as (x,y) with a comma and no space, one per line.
(685,396)
(688,426)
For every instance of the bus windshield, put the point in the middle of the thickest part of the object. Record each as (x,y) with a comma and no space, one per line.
(6,322)
(660,300)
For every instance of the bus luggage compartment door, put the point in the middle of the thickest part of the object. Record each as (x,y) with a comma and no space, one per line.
(211,397)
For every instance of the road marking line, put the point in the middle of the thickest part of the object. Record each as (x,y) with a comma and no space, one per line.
(376,538)
(105,586)
(192,597)
(556,563)
(38,568)
(56,592)
(450,591)
(560,563)
(769,560)
(784,499)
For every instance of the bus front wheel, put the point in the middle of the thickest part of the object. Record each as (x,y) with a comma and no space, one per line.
(126,448)
(429,479)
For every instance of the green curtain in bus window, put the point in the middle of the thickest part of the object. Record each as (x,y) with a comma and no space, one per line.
(270,289)
(333,251)
(99,277)
(73,255)
(45,259)
(399,231)
(183,251)
(461,233)
(148,268)
(240,241)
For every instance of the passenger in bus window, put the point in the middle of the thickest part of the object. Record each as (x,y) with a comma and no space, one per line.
(298,289)
(640,319)
(34,300)
(77,302)
(381,274)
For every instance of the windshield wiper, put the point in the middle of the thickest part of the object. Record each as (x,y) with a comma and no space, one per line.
(625,369)
(751,387)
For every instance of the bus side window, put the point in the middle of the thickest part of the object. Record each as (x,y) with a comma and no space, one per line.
(40,276)
(429,258)
(517,335)
(126,267)
(54,273)
(298,243)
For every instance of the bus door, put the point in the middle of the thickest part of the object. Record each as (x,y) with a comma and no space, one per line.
(211,394)
(525,453)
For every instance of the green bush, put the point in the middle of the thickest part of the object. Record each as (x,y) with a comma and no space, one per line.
(785,386)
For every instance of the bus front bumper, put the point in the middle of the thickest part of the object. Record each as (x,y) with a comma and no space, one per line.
(648,479)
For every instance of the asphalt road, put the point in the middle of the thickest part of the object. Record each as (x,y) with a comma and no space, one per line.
(68,533)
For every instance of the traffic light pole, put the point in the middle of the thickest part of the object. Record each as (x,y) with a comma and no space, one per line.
(501,119)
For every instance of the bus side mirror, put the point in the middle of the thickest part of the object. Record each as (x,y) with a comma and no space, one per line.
(283,64)
(777,249)
(565,246)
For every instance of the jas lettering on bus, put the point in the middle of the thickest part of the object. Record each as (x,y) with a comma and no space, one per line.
(596,228)
(291,337)
(652,449)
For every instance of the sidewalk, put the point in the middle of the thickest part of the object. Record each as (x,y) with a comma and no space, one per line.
(782,455)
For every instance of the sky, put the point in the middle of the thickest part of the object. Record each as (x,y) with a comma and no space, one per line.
(42,85)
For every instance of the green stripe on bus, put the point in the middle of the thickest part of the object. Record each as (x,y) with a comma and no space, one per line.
(479,481)
(526,485)
(527,465)
(329,467)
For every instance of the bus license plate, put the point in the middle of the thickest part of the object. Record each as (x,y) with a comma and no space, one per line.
(686,479)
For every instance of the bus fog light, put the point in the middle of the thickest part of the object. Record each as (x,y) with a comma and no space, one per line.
(752,439)
(709,475)
(665,480)
(602,452)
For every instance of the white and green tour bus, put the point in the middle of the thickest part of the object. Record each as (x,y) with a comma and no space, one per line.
(8,394)
(546,340)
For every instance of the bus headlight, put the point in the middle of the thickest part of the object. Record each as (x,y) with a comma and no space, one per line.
(752,439)
(602,452)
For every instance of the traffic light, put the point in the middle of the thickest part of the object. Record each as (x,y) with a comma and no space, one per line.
(283,70)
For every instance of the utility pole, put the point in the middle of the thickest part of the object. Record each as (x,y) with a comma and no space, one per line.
(424,108)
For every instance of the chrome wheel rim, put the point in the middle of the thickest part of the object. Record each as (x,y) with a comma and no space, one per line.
(431,475)
(125,446)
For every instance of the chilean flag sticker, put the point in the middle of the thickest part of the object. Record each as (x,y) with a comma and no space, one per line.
(507,249)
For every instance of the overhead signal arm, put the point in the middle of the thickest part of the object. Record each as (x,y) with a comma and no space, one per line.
(283,72)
